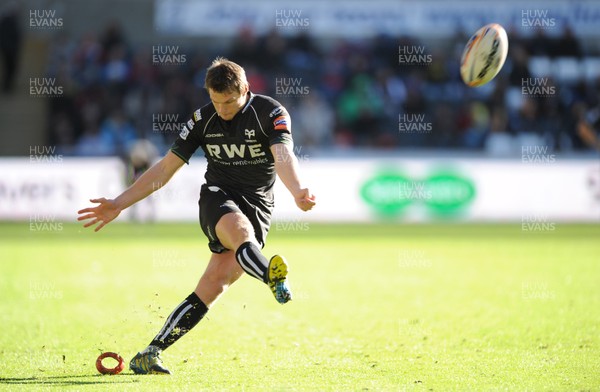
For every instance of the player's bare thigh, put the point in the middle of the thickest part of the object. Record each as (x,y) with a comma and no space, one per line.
(233,229)
(221,272)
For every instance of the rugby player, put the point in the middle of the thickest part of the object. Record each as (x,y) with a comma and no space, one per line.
(247,140)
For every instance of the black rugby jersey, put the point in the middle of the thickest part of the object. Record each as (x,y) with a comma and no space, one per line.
(237,151)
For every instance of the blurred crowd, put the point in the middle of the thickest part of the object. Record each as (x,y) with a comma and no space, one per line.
(340,93)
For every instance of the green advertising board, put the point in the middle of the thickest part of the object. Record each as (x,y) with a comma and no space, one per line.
(443,192)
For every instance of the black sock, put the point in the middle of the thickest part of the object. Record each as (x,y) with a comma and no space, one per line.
(180,321)
(252,261)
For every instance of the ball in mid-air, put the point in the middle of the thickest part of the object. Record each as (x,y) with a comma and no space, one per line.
(104,370)
(484,55)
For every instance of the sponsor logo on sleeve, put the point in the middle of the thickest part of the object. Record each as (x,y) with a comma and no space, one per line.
(282,123)
(197,115)
(276,111)
(184,132)
(190,123)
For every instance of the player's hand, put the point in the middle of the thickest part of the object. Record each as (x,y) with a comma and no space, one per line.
(305,200)
(103,213)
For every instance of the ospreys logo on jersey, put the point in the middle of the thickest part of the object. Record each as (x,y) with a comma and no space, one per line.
(250,133)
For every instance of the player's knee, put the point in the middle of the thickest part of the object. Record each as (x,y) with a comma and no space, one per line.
(244,233)
(233,230)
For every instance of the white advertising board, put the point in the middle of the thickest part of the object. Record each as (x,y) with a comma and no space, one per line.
(464,190)
(347,190)
(367,18)
(51,187)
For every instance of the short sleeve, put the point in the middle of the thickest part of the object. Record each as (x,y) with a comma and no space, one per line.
(190,138)
(279,128)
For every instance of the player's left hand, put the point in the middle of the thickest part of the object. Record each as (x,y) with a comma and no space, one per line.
(105,212)
(305,200)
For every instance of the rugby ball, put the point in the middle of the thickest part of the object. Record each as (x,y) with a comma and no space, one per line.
(484,55)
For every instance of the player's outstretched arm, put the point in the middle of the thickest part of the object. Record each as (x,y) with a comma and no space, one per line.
(286,166)
(153,179)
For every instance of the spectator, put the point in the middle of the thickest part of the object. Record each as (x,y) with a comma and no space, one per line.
(527,119)
(116,133)
(314,121)
(475,134)
(245,49)
(10,43)
(358,89)
(540,44)
(272,50)
(113,36)
(588,129)
(360,108)
(567,45)
(499,142)
(92,144)
(519,70)
(445,132)
(86,60)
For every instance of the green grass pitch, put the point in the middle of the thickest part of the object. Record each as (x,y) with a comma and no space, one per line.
(376,308)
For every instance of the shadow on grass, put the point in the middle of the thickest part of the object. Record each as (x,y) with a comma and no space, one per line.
(70,380)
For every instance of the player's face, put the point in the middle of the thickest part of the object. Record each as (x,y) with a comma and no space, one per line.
(228,104)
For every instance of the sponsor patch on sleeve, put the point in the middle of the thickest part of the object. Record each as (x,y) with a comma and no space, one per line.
(190,124)
(276,111)
(184,132)
(197,115)
(282,123)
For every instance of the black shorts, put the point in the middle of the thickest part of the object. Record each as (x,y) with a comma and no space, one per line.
(215,202)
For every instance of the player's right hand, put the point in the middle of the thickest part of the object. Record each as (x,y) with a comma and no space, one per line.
(305,200)
(103,213)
